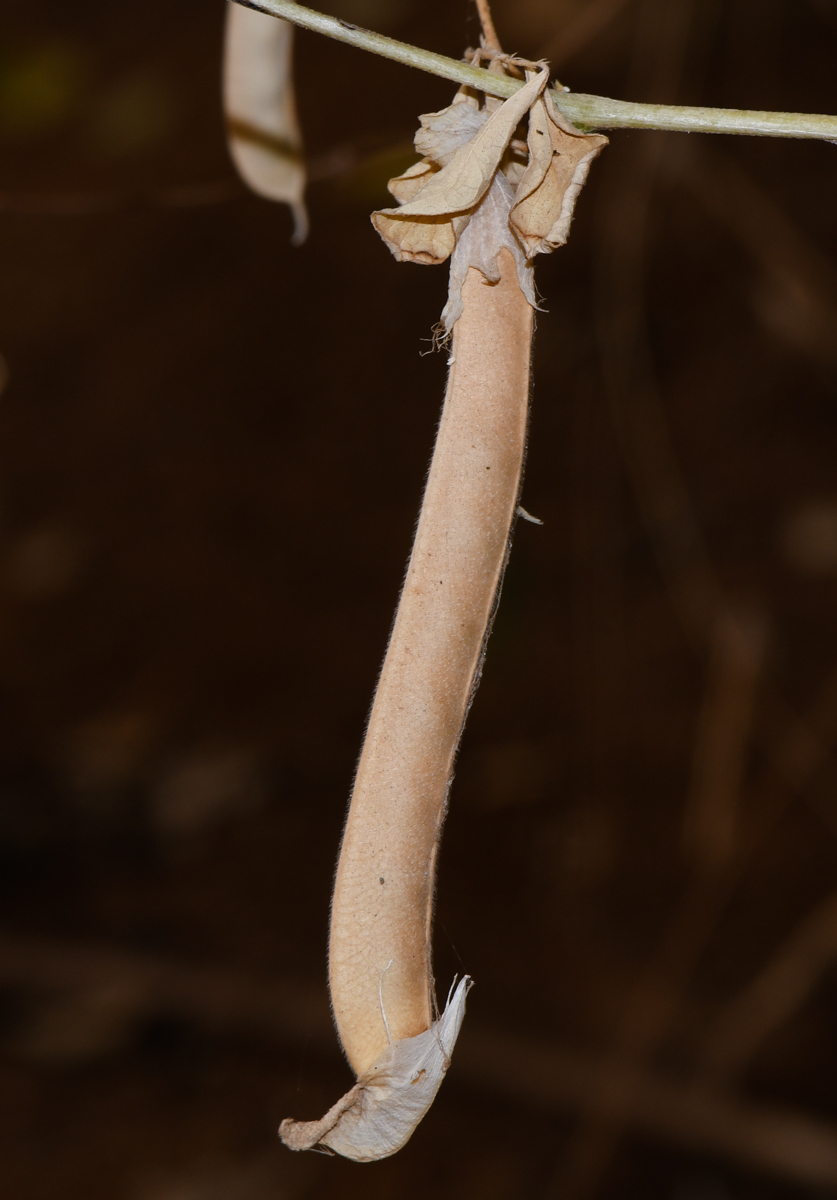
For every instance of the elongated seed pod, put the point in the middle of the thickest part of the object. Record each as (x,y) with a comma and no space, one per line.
(260,109)
(379,954)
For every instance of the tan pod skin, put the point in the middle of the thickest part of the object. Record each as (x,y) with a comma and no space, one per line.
(379,954)
(472,199)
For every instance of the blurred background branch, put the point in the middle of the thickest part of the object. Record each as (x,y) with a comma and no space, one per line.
(90,992)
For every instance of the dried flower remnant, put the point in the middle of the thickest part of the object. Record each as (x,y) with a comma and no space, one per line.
(559,160)
(467,197)
(459,202)
(463,147)
(260,110)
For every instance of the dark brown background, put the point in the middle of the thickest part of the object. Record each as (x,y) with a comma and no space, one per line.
(213,448)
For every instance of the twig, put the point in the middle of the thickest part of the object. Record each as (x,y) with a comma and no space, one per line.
(767,1139)
(711,821)
(773,996)
(530,1071)
(82,204)
(795,755)
(629,377)
(701,603)
(798,293)
(805,744)
(638,414)
(489,32)
(588,112)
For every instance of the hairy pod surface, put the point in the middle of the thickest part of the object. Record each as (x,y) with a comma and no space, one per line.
(379,955)
(379,959)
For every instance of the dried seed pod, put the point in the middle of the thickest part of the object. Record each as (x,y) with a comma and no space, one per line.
(379,961)
(457,202)
(260,110)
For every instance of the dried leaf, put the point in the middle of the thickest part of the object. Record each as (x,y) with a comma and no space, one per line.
(483,199)
(429,241)
(407,186)
(379,1114)
(262,128)
(541,150)
(465,180)
(443,133)
(558,164)
(422,230)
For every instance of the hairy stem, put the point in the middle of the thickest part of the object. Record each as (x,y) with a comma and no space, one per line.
(586,112)
(489,32)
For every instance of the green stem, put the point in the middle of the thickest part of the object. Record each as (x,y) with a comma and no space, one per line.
(588,112)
